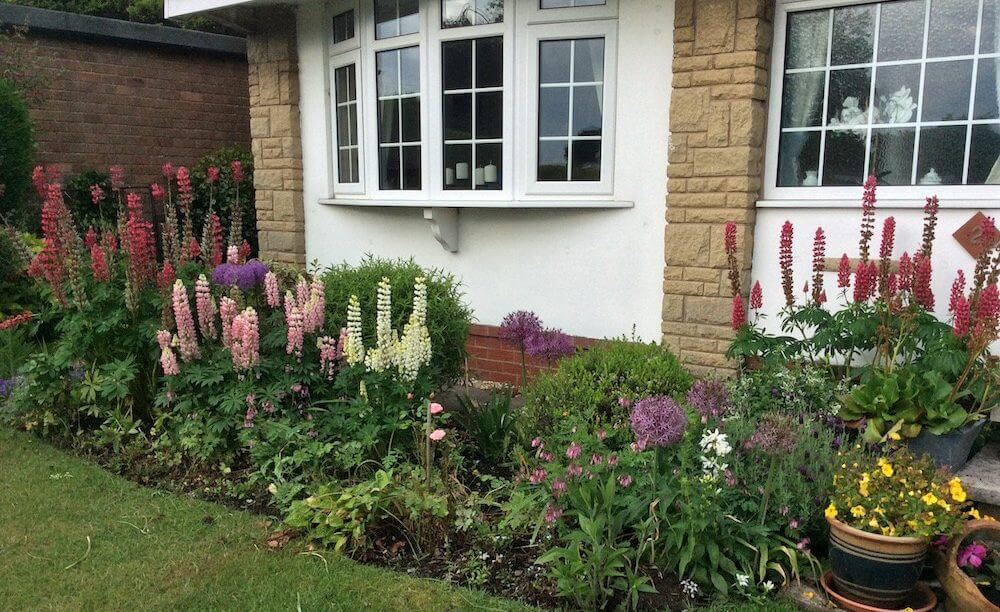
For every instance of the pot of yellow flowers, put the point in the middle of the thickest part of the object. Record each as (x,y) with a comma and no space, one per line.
(883,512)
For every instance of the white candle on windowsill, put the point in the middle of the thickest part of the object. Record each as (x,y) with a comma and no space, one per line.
(478,177)
(449,176)
(462,171)
(490,173)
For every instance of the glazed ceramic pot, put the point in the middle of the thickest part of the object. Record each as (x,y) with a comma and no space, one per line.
(874,569)
(950,450)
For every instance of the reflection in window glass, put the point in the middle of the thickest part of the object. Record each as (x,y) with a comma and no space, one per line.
(398,91)
(459,13)
(570,109)
(984,156)
(396,18)
(346,99)
(473,113)
(888,110)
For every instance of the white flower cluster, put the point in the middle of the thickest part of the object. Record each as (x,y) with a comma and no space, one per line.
(714,446)
(415,346)
(408,353)
(382,356)
(354,346)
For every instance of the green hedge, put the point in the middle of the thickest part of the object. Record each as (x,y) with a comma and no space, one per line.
(16,148)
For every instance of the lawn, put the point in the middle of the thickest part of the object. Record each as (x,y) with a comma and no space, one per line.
(150,549)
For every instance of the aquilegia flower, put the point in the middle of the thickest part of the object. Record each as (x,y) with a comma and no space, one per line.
(658,421)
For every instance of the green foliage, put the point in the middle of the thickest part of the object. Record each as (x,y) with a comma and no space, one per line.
(17,145)
(586,389)
(77,197)
(448,315)
(492,426)
(225,192)
(142,11)
(18,291)
(791,390)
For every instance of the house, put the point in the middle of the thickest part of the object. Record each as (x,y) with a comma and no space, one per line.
(580,157)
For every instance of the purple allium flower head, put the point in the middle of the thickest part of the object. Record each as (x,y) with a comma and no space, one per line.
(709,398)
(518,326)
(658,421)
(245,276)
(774,435)
(550,345)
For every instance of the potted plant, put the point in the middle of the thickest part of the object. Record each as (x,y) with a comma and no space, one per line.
(969,570)
(883,512)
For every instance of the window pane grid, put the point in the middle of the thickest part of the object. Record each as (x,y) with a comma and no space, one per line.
(473,163)
(864,132)
(399,156)
(347,115)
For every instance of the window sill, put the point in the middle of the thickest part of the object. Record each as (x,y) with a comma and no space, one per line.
(883,203)
(494,204)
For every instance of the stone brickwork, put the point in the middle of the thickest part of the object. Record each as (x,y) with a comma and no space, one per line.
(717,132)
(276,137)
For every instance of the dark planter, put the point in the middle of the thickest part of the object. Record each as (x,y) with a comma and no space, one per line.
(950,450)
(874,569)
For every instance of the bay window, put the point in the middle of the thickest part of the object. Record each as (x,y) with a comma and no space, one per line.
(424,95)
(906,90)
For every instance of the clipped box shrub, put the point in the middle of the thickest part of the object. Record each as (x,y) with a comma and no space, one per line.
(448,315)
(16,148)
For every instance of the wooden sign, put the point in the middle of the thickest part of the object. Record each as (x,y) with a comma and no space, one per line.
(970,236)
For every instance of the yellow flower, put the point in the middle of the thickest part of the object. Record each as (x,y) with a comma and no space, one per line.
(974,513)
(831,511)
(858,511)
(930,499)
(873,523)
(887,470)
(957,492)
(894,436)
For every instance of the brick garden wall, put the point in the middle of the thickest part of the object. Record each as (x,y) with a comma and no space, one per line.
(496,360)
(114,102)
(717,131)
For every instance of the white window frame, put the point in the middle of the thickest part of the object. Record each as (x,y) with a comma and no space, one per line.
(523,26)
(903,195)
(528,153)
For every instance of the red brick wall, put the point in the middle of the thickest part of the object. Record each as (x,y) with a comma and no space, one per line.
(496,360)
(136,105)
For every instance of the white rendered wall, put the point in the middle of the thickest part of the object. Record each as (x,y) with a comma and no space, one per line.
(593,273)
(841,226)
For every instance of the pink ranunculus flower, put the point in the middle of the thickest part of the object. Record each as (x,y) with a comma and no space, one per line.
(437,435)
(436,408)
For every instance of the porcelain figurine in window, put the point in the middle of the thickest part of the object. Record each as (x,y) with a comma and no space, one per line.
(897,108)
(851,113)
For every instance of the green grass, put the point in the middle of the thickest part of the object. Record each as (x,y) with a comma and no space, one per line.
(155,550)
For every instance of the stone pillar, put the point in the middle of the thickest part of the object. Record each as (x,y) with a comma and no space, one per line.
(276,136)
(717,132)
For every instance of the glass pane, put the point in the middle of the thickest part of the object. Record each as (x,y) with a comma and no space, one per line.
(355,167)
(553,158)
(901,30)
(457,166)
(942,154)
(411,167)
(457,64)
(588,60)
(586,160)
(388,168)
(489,156)
(984,158)
(553,60)
(489,115)
(458,117)
(388,120)
(892,155)
(802,99)
(548,4)
(808,33)
(853,35)
(345,86)
(387,73)
(990,38)
(798,159)
(347,170)
(457,13)
(987,89)
(489,62)
(409,69)
(409,16)
(343,126)
(386,24)
(553,111)
(947,86)
(895,90)
(849,94)
(587,116)
(952,28)
(410,108)
(352,112)
(343,26)
(844,162)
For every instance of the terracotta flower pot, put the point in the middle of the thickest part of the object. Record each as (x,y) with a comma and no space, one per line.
(963,594)
(874,569)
